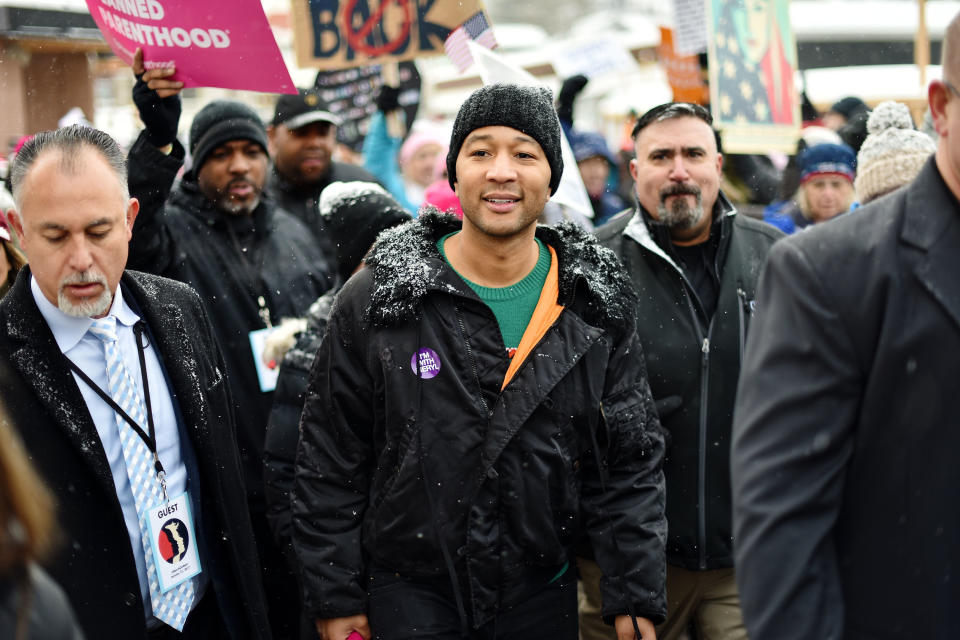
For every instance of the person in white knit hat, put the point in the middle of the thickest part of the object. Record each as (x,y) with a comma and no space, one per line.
(893,153)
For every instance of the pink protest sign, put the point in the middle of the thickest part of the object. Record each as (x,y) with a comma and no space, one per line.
(214,43)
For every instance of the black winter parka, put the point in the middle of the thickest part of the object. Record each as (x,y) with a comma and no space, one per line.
(180,235)
(393,466)
(696,359)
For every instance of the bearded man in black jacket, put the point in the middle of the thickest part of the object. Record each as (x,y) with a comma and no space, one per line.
(479,400)
(694,263)
(251,262)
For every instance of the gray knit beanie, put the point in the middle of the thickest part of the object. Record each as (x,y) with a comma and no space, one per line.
(526,109)
(893,153)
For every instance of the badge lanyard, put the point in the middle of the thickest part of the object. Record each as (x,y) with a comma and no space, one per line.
(150,439)
(253,273)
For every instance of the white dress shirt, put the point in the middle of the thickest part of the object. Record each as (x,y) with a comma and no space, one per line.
(87,352)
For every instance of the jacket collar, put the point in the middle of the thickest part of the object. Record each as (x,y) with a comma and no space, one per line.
(931,225)
(639,228)
(407,264)
(188,197)
(41,365)
(35,355)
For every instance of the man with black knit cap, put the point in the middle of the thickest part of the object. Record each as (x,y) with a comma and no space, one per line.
(251,263)
(478,401)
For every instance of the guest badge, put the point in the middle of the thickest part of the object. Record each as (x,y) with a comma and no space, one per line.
(173,542)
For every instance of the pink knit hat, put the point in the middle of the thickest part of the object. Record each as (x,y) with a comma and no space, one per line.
(440,195)
(416,140)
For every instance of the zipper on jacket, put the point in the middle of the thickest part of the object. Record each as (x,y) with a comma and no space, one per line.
(704,338)
(741,308)
(473,361)
(702,454)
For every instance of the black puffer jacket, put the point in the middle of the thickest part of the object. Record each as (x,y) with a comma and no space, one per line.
(695,358)
(392,466)
(283,430)
(230,261)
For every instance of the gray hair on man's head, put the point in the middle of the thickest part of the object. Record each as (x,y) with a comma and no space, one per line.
(69,141)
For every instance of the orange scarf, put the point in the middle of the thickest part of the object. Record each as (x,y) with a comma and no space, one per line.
(544,315)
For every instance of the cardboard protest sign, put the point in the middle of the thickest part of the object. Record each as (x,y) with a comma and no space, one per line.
(350,94)
(683,71)
(752,59)
(215,43)
(338,34)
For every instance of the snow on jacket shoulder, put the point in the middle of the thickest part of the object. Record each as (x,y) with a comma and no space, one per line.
(401,465)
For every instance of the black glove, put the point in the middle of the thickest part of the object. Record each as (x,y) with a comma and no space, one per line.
(571,87)
(388,99)
(160,115)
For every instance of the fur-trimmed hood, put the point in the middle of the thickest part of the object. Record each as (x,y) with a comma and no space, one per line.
(406,264)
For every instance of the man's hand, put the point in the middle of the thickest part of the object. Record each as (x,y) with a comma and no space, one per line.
(341,628)
(157,100)
(624,626)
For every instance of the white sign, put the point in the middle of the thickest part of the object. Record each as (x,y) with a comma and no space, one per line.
(592,58)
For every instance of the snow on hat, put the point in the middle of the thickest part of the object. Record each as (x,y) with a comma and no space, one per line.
(222,121)
(526,109)
(893,153)
(827,159)
(354,214)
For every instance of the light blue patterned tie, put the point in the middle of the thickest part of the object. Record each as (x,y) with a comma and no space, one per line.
(173,606)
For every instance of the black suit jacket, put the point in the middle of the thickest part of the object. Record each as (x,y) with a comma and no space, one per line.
(95,563)
(847,427)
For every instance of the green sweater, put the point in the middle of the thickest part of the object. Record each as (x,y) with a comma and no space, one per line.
(512,306)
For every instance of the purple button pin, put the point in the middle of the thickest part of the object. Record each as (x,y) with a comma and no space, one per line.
(429,363)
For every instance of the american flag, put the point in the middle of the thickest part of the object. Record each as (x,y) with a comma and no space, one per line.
(475,28)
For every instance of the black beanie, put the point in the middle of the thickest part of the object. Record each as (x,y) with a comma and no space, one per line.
(526,109)
(849,107)
(354,214)
(222,121)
